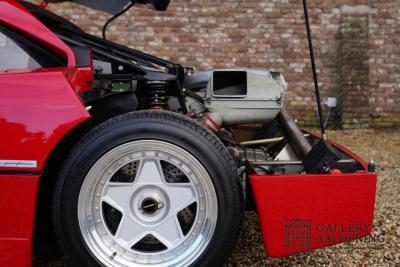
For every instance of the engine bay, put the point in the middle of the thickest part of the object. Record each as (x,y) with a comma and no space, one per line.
(243,107)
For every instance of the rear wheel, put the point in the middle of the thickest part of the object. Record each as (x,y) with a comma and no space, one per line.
(148,188)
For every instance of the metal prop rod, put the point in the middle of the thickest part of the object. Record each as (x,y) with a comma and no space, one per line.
(292,162)
(265,141)
(314,70)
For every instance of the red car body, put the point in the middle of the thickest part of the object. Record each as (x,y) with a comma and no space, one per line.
(302,212)
(39,108)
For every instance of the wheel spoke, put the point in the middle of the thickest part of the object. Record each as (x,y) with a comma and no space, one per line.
(150,172)
(117,195)
(181,196)
(169,232)
(161,209)
(129,232)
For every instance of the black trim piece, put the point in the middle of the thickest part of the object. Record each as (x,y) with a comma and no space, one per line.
(116,48)
(105,54)
(14,172)
(82,55)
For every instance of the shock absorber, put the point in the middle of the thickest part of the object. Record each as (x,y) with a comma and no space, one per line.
(157,95)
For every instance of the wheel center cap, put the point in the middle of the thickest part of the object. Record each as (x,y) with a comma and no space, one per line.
(150,206)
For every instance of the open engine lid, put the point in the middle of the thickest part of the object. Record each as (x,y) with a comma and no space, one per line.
(115,6)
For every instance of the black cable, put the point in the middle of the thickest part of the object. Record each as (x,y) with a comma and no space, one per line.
(194,95)
(114,17)
(314,69)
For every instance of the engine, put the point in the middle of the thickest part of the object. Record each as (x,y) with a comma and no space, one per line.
(224,101)
(232,97)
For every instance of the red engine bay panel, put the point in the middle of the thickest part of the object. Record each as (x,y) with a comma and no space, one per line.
(303,212)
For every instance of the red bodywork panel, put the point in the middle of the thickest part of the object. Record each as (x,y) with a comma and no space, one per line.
(303,212)
(37,109)
(17,210)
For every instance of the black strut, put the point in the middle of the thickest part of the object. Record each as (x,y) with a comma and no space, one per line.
(314,70)
(104,30)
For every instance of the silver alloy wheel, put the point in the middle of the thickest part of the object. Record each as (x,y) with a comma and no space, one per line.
(149,204)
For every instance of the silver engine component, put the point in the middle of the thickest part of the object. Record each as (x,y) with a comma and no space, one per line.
(260,156)
(238,96)
(250,154)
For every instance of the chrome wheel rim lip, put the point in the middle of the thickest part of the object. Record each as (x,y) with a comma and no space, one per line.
(109,250)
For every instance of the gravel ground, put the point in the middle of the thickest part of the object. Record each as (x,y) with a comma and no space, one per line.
(384,147)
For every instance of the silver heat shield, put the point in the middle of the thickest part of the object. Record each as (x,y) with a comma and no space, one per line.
(237,96)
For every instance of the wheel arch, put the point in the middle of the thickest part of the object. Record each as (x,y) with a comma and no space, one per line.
(114,105)
(43,235)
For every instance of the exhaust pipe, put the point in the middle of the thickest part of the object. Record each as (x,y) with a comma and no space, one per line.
(293,133)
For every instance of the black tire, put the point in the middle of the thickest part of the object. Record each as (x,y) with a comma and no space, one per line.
(155,125)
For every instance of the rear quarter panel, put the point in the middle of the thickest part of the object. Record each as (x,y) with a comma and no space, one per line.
(37,109)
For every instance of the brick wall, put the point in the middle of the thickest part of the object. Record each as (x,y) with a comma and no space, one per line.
(357,45)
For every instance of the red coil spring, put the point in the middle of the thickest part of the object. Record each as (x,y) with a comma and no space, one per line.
(157,95)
